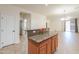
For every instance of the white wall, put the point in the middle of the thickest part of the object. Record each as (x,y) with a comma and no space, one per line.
(38,21)
(57,25)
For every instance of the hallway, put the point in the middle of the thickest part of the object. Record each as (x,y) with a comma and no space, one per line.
(68,43)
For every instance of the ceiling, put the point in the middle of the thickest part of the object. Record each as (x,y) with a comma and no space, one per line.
(50,9)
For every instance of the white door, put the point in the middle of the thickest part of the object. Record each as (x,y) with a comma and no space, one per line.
(3,30)
(10,29)
(7,29)
(0,29)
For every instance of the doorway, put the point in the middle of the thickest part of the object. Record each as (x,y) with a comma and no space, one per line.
(67,26)
(24,26)
(71,25)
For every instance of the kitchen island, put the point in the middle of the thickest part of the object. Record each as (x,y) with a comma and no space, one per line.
(45,43)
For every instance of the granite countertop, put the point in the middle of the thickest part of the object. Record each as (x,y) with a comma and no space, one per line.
(41,37)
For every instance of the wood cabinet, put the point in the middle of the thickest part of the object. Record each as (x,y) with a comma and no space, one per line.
(43,49)
(55,38)
(52,45)
(32,47)
(47,46)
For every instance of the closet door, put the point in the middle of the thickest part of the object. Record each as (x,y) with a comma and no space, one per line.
(10,29)
(0,29)
(3,30)
(7,29)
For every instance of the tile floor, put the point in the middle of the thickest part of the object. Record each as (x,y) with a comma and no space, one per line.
(12,49)
(68,44)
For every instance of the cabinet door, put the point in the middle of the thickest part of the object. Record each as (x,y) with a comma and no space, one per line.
(55,41)
(49,46)
(53,45)
(43,49)
(32,48)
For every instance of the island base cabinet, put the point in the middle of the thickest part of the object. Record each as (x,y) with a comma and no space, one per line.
(47,46)
(32,48)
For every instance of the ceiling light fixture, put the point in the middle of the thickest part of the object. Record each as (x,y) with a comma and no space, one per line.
(65,17)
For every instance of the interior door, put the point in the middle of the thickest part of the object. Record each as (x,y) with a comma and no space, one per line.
(7,29)
(10,30)
(3,31)
(0,29)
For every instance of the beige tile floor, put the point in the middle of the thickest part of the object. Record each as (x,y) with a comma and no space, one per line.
(68,43)
(12,49)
